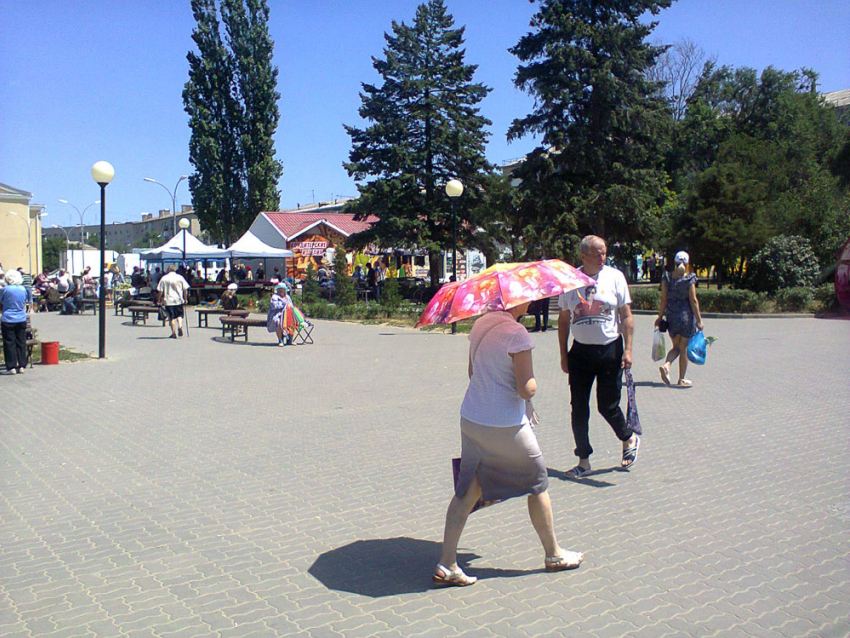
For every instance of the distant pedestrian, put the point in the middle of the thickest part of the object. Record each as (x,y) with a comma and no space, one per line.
(651,265)
(173,290)
(500,455)
(372,280)
(602,326)
(14,301)
(680,307)
(540,308)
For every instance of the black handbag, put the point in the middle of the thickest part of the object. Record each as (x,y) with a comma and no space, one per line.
(163,315)
(662,325)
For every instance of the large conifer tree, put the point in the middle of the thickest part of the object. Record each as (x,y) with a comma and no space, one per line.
(424,129)
(231,99)
(600,120)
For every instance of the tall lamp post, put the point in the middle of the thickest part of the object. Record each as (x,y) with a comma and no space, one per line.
(28,222)
(82,226)
(102,173)
(173,195)
(184,224)
(67,246)
(454,189)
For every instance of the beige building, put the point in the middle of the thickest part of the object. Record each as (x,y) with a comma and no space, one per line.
(129,233)
(20,230)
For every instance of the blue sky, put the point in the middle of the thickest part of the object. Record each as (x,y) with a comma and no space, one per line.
(88,81)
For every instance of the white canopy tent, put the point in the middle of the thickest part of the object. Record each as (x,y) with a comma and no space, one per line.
(249,246)
(172,250)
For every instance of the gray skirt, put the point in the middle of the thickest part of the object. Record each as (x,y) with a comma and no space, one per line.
(508,461)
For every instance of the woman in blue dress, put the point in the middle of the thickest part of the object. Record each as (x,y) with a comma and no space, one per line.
(680,307)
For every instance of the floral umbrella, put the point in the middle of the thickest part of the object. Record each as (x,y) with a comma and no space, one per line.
(501,287)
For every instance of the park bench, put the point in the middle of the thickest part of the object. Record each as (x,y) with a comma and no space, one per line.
(126,303)
(85,303)
(204,313)
(238,326)
(140,313)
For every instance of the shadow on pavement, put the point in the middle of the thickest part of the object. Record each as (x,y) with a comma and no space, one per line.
(587,478)
(391,566)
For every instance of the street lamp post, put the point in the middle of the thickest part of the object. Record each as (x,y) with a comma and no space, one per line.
(102,173)
(454,189)
(173,195)
(184,224)
(67,246)
(28,222)
(81,213)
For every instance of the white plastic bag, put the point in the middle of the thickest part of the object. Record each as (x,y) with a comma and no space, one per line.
(659,345)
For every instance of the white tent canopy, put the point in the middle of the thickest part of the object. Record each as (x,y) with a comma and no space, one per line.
(249,246)
(173,249)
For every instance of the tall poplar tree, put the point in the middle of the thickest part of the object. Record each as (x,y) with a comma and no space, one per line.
(601,122)
(231,99)
(424,128)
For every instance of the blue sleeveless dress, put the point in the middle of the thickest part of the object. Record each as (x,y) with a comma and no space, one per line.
(679,316)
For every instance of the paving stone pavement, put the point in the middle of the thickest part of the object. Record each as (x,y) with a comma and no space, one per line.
(197,488)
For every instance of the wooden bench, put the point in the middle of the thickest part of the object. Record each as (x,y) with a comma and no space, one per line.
(238,326)
(140,313)
(85,303)
(125,303)
(204,313)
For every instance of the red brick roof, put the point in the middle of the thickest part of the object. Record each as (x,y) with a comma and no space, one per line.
(292,224)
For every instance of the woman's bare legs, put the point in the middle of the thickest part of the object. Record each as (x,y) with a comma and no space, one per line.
(683,356)
(671,354)
(540,511)
(456,516)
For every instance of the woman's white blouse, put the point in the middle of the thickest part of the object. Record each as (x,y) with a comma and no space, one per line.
(492,398)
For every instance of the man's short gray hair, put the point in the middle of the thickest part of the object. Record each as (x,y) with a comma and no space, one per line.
(588,242)
(171,268)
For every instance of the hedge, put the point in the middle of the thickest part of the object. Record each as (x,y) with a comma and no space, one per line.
(727,300)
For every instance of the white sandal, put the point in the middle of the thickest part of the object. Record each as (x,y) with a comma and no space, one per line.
(452,577)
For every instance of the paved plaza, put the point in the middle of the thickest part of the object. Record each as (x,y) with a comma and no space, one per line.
(200,487)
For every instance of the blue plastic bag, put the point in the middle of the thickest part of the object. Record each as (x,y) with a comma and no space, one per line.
(696,349)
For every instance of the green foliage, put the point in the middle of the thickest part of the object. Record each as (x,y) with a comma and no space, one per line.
(794,299)
(604,126)
(231,98)
(390,295)
(310,286)
(825,298)
(51,248)
(344,295)
(768,132)
(263,304)
(423,130)
(644,298)
(723,221)
(785,262)
(148,240)
(730,300)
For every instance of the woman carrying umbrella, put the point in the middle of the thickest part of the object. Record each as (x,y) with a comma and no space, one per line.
(500,456)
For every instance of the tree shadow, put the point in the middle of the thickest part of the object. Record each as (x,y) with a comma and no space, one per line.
(651,384)
(391,566)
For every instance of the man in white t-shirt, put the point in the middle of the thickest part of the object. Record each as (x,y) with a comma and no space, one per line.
(172,289)
(600,319)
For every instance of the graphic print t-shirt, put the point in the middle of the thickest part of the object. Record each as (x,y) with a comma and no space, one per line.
(594,310)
